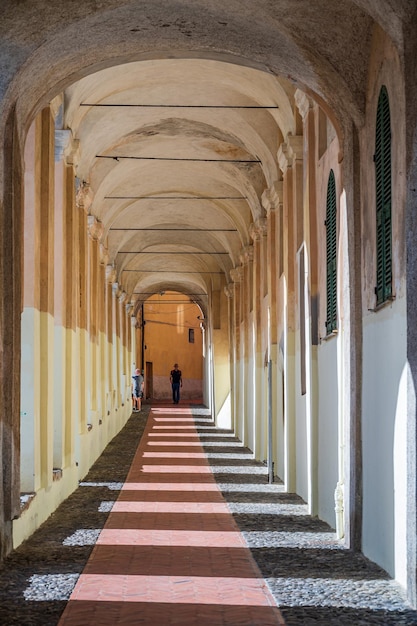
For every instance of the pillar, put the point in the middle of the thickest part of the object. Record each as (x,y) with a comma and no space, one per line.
(306,110)
(247,372)
(272,201)
(291,236)
(257,232)
(236,275)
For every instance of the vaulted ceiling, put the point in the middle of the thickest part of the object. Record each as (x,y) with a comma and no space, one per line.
(179,107)
(176,155)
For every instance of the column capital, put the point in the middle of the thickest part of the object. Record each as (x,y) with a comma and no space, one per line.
(66,147)
(284,158)
(246,254)
(303,102)
(95,228)
(272,198)
(295,144)
(83,196)
(229,290)
(258,229)
(62,139)
(236,274)
(290,151)
(110,274)
(103,254)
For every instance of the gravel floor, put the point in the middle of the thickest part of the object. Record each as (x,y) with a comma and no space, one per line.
(313,578)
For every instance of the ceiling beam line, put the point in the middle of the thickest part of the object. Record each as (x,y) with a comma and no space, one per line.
(191,230)
(175,197)
(170,271)
(157,302)
(163,252)
(179,106)
(149,158)
(158,293)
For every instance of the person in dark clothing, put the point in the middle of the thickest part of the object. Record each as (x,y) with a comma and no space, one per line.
(176,383)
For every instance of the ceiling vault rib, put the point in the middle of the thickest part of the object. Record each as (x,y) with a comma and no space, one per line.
(151,158)
(179,106)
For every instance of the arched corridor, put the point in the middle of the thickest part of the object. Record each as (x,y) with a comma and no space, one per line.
(240,165)
(177,523)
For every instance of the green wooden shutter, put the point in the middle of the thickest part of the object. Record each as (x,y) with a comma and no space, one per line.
(382,157)
(331,254)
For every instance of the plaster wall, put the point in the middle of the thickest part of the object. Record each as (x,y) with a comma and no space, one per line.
(302,487)
(241,430)
(43,505)
(290,413)
(263,357)
(59,396)
(385,69)
(29,401)
(192,388)
(166,341)
(76,446)
(328,448)
(384,437)
(384,395)
(251,390)
(221,378)
(278,411)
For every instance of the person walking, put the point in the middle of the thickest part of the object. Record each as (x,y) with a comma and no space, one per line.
(176,383)
(137,391)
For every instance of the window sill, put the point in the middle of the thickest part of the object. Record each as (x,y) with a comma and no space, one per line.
(383,305)
(334,333)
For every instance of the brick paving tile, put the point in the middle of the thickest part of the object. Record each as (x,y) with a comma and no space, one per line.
(170,552)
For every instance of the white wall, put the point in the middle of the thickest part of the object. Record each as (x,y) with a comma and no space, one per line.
(327,429)
(384,438)
(302,487)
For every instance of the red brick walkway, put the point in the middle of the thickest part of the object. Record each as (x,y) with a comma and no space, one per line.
(170,552)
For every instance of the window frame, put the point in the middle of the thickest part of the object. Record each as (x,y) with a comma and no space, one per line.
(331,255)
(383,200)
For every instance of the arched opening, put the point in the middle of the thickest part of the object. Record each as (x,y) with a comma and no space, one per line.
(191,159)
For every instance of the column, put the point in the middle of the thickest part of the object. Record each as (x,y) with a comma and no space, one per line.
(66,276)
(110,279)
(290,204)
(305,107)
(247,374)
(237,275)
(82,319)
(272,201)
(257,232)
(44,172)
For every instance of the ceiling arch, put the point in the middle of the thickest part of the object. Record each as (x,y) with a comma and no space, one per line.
(176,155)
(51,45)
(182,79)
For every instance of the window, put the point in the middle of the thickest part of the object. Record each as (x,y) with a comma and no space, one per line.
(331,252)
(382,158)
(191,335)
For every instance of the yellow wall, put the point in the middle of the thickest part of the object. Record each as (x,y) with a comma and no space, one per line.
(168,320)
